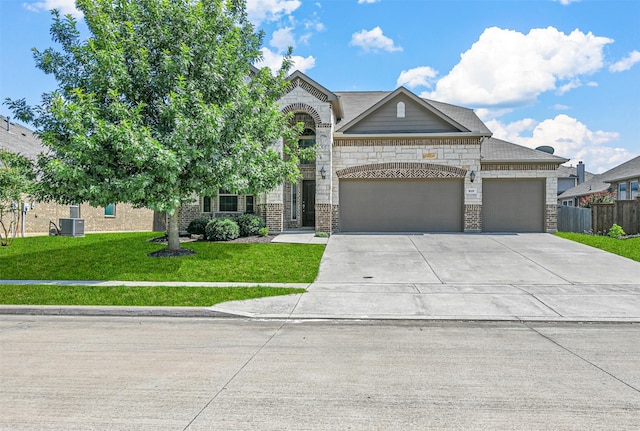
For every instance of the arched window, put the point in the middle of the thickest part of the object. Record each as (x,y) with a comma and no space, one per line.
(400,110)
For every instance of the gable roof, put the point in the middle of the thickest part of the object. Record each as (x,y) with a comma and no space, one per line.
(18,139)
(331,97)
(353,121)
(495,150)
(602,182)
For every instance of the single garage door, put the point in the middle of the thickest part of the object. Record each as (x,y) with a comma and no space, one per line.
(398,205)
(514,205)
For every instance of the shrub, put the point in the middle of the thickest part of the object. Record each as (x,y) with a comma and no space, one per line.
(263,231)
(322,235)
(616,231)
(249,224)
(222,229)
(197,225)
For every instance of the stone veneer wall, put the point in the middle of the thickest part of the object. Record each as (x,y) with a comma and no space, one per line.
(274,217)
(335,218)
(551,218)
(473,218)
(324,213)
(126,219)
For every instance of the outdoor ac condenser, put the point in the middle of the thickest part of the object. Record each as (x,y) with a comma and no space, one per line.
(72,226)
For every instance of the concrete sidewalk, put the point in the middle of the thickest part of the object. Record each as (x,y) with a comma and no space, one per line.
(523,277)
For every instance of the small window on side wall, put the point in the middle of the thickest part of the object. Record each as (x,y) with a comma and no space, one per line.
(634,189)
(249,205)
(110,210)
(400,110)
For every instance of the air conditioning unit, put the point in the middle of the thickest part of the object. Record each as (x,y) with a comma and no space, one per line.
(71,226)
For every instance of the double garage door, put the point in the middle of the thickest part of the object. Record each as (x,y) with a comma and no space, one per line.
(397,205)
(437,205)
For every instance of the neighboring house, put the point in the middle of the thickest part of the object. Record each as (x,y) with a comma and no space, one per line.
(571,176)
(620,181)
(115,217)
(395,162)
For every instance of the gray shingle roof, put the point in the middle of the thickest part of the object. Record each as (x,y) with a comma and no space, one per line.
(599,183)
(355,103)
(19,139)
(496,150)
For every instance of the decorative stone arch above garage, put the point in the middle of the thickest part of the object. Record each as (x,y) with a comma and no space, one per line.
(401,170)
(401,197)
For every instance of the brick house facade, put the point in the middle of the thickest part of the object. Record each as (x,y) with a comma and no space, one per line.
(392,161)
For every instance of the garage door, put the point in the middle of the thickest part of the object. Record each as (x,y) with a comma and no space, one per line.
(394,205)
(513,205)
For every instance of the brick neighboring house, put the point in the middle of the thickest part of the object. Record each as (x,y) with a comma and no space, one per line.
(115,218)
(621,181)
(395,162)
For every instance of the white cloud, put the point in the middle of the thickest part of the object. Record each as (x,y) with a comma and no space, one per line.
(282,39)
(626,63)
(574,83)
(66,7)
(270,10)
(509,68)
(560,107)
(373,40)
(367,1)
(273,60)
(569,137)
(417,77)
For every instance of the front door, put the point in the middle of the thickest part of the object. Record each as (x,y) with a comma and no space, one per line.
(309,203)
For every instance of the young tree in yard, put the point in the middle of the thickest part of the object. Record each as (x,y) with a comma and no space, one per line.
(16,181)
(158,104)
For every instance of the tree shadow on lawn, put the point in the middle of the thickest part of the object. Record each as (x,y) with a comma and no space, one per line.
(117,259)
(126,259)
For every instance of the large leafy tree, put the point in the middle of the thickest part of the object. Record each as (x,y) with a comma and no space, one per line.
(16,182)
(161,102)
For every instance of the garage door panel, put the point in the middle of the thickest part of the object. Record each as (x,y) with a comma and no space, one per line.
(401,205)
(514,205)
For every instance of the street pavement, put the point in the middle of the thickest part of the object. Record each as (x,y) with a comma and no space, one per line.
(510,277)
(146,373)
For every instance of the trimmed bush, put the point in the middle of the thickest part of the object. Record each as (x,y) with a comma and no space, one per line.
(222,229)
(263,231)
(197,225)
(249,224)
(616,231)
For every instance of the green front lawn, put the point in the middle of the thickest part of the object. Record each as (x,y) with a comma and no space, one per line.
(157,296)
(123,256)
(624,247)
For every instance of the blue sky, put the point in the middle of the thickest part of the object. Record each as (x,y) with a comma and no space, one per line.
(563,73)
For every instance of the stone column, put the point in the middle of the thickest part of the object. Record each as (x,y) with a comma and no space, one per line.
(323,207)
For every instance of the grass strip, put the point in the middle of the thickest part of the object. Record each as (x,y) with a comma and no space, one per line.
(123,256)
(147,296)
(629,247)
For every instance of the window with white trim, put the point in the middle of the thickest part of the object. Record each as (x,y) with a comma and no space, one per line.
(622,191)
(634,189)
(110,210)
(400,110)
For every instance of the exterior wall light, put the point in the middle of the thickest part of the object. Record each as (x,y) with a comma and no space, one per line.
(323,173)
(472,175)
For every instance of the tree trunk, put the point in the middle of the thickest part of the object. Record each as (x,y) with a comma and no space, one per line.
(174,231)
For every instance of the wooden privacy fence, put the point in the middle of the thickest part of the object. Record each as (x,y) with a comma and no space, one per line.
(622,213)
(574,219)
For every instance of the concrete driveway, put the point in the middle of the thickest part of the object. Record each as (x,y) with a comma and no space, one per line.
(464,258)
(531,277)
